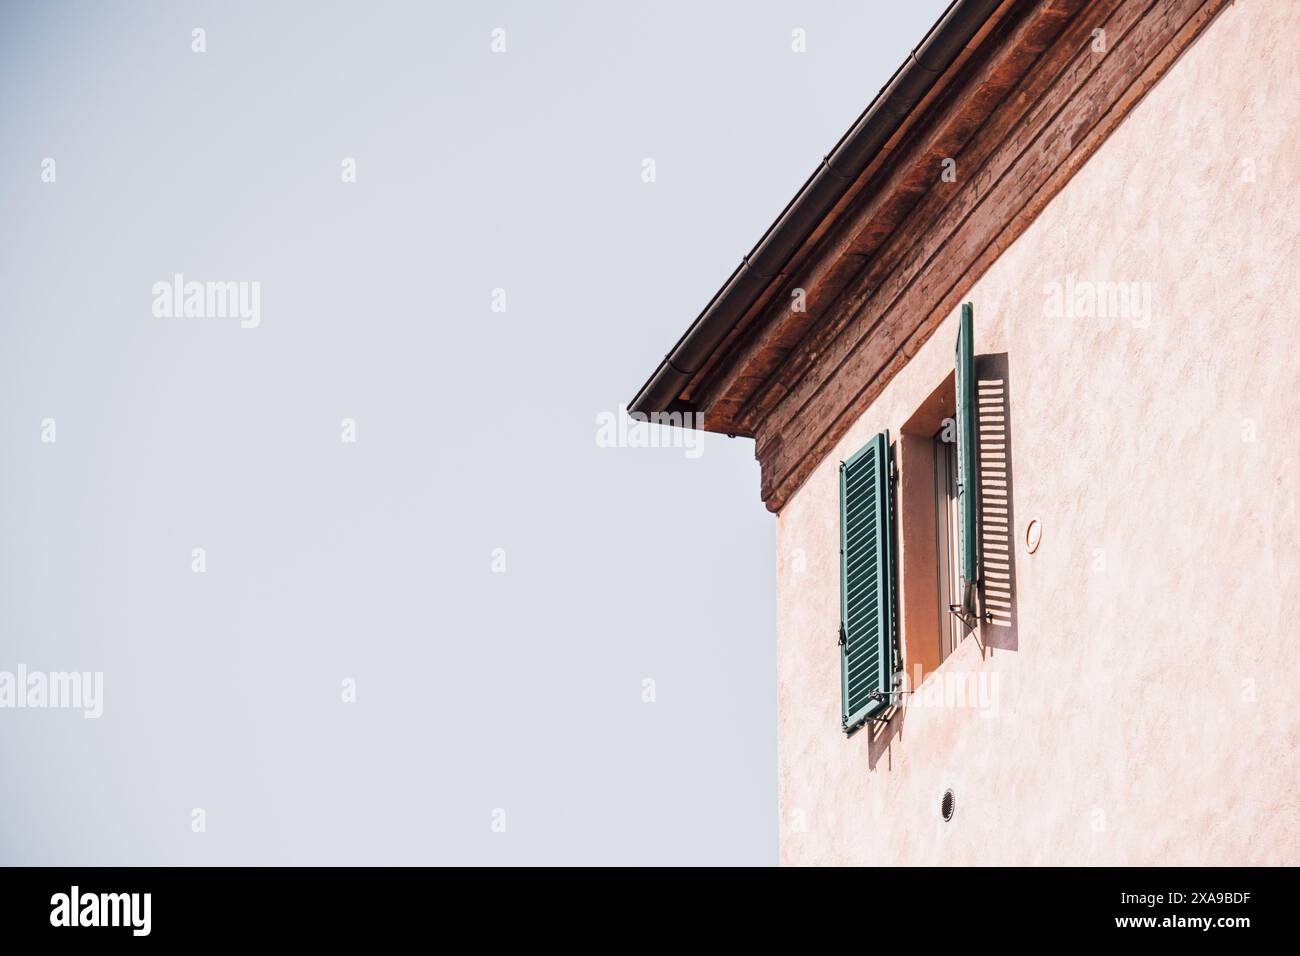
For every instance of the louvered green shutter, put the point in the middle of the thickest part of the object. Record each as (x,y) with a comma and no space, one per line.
(867,611)
(966,461)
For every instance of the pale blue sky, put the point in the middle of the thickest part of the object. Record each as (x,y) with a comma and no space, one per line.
(475,430)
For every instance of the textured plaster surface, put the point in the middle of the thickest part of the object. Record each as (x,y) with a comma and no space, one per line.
(1144,710)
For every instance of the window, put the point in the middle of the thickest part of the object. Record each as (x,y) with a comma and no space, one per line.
(909,570)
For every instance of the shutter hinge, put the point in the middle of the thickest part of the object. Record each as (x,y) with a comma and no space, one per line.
(960,612)
(842,640)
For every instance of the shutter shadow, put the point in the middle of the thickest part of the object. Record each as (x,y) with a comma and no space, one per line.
(997,518)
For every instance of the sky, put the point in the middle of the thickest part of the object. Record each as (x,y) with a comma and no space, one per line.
(309,323)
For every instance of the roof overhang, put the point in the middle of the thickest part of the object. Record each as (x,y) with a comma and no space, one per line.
(787,242)
(879,245)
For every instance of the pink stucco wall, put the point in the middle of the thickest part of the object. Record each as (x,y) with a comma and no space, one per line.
(1145,710)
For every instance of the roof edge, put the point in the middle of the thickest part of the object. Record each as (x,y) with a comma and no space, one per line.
(828,184)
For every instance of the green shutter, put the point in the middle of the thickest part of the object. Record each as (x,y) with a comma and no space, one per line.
(867,611)
(966,459)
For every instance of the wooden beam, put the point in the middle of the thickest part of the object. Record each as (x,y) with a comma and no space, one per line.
(881,324)
(913,169)
(771,328)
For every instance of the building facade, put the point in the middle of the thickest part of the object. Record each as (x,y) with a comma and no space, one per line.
(1032,599)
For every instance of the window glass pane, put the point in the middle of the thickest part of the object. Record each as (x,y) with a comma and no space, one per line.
(948,545)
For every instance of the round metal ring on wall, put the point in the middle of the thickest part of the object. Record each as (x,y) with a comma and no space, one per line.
(1033,535)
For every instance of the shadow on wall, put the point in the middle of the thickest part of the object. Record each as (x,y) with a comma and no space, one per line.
(883,733)
(997,522)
